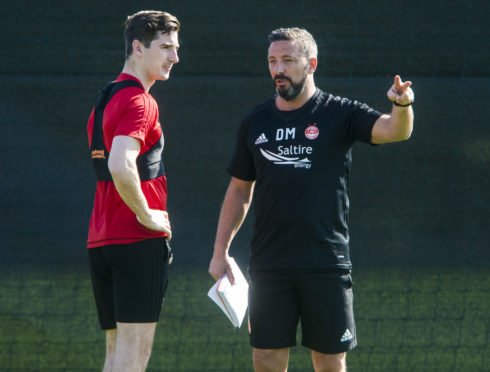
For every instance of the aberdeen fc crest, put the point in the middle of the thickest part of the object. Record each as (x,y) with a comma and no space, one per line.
(312,131)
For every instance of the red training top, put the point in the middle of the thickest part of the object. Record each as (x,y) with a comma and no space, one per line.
(131,112)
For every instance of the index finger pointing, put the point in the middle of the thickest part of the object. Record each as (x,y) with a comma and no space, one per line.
(400,85)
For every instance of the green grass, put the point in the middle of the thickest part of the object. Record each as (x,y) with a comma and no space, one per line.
(407,321)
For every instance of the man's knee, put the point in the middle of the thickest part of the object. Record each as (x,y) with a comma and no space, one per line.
(270,360)
(328,362)
(133,346)
(139,335)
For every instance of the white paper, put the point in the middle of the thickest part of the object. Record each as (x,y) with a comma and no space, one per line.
(232,299)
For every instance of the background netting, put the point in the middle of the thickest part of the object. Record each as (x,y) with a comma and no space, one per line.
(419,209)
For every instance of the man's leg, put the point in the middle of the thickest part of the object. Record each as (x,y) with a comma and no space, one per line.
(110,350)
(327,318)
(101,276)
(140,282)
(133,346)
(328,362)
(271,360)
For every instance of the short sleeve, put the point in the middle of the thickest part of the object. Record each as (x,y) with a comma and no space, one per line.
(241,164)
(361,122)
(136,118)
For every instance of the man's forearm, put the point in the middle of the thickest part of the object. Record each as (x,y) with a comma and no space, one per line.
(124,171)
(394,127)
(232,215)
(127,183)
(401,122)
(233,212)
(128,186)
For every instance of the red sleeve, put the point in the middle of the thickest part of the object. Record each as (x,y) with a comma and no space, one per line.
(136,118)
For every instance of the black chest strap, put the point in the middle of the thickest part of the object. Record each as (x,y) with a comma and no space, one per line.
(150,164)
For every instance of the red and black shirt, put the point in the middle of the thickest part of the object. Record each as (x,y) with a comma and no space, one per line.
(131,112)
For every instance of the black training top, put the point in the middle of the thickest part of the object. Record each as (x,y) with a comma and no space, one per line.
(300,161)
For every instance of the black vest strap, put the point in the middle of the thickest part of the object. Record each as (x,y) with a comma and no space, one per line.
(150,164)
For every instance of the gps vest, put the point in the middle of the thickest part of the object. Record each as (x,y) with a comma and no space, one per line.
(150,164)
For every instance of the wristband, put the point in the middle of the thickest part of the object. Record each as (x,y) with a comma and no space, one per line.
(399,105)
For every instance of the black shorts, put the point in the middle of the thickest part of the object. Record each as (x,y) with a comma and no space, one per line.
(323,301)
(129,281)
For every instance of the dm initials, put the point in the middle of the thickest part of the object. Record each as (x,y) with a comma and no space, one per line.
(282,134)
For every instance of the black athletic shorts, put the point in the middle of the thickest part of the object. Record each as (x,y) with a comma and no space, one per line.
(129,281)
(323,301)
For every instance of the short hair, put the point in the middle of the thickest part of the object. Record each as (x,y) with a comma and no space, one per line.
(299,36)
(144,26)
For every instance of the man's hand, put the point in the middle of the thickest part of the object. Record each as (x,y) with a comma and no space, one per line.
(400,92)
(157,220)
(221,265)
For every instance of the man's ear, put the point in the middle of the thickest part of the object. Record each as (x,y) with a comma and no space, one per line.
(137,47)
(312,65)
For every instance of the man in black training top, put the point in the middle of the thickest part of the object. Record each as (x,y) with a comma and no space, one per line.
(295,151)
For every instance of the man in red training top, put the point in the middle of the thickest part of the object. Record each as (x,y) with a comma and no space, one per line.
(129,228)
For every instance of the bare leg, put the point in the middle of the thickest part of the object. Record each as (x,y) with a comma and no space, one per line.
(110,350)
(133,346)
(271,360)
(328,362)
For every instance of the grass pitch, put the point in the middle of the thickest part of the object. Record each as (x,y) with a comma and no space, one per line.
(421,320)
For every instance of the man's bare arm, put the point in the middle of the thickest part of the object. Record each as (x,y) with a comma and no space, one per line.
(233,212)
(124,171)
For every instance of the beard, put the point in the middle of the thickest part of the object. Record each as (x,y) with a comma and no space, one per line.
(288,94)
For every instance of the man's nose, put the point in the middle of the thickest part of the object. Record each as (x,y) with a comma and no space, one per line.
(174,57)
(277,69)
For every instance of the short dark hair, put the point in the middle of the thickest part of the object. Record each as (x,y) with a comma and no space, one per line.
(299,36)
(144,25)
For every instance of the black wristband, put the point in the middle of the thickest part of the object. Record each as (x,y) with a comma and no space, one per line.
(408,104)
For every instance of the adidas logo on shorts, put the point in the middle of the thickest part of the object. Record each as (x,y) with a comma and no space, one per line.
(347,336)
(261,139)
